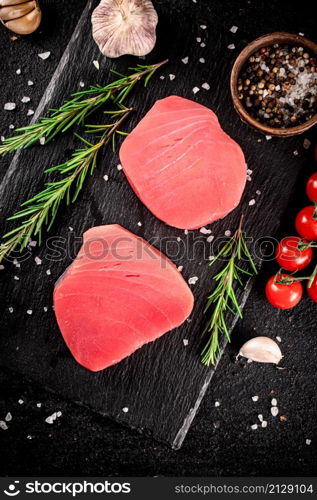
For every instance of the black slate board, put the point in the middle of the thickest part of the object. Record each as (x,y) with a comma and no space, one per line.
(163,383)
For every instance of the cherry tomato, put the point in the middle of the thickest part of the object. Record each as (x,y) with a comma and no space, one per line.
(311,187)
(312,290)
(290,256)
(306,223)
(283,296)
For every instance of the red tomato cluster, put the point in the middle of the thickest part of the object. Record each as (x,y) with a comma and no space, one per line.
(294,253)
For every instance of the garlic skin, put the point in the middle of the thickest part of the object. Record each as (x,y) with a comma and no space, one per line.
(22,17)
(262,350)
(124,27)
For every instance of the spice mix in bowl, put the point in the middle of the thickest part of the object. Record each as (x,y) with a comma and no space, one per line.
(274,84)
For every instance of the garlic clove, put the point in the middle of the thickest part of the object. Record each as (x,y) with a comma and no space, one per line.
(13,12)
(124,27)
(262,350)
(25,25)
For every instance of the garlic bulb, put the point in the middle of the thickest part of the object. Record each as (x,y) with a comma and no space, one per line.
(20,16)
(261,349)
(124,27)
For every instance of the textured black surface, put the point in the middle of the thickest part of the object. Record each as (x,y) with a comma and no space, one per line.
(227,446)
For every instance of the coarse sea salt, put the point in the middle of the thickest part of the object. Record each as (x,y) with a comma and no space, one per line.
(42,141)
(96,64)
(44,55)
(254,427)
(3,425)
(29,312)
(228,233)
(25,99)
(11,126)
(193,280)
(30,112)
(210,238)
(139,223)
(38,261)
(308,441)
(119,167)
(195,90)
(274,411)
(204,230)
(48,272)
(255,398)
(185,60)
(203,26)
(39,405)
(9,106)
(264,424)
(278,339)
(16,278)
(203,45)
(172,77)
(206,86)
(30,83)
(180,268)
(260,417)
(217,404)
(106,177)
(233,29)
(274,402)
(20,401)
(125,409)
(45,309)
(81,84)
(18,71)
(268,137)
(10,310)
(1,267)
(8,417)
(251,202)
(231,46)
(258,192)
(185,342)
(198,39)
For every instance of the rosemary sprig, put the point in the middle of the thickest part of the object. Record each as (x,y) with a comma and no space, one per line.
(40,211)
(223,298)
(75,110)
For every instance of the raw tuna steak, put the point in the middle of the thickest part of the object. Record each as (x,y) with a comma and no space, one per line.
(182,165)
(119,294)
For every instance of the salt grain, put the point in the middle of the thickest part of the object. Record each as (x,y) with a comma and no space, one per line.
(203,45)
(16,263)
(210,238)
(198,39)
(25,99)
(30,112)
(204,230)
(264,424)
(203,26)
(278,339)
(217,404)
(42,141)
(20,401)
(11,310)
(18,71)
(39,405)
(185,60)
(178,238)
(9,106)
(186,231)
(254,427)
(2,138)
(119,167)
(308,441)
(11,126)
(274,411)
(193,280)
(185,342)
(96,64)
(231,46)
(274,402)
(258,192)
(1,267)
(106,177)
(180,268)
(8,417)
(125,409)
(44,55)
(251,202)
(255,398)
(48,272)
(3,425)
(139,223)
(202,60)
(233,29)
(260,417)
(206,86)
(16,278)
(30,83)
(195,90)
(306,144)
(295,153)
(172,77)
(268,137)
(29,312)
(228,233)
(38,261)
(162,77)
(81,84)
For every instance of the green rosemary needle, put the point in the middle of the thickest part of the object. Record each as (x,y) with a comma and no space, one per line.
(40,211)
(223,298)
(75,110)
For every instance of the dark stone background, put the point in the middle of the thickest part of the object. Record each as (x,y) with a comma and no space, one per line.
(220,441)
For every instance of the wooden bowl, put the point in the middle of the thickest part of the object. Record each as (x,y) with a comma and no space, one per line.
(264,41)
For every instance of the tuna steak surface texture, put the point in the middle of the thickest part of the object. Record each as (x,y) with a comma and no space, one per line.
(117,295)
(182,165)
